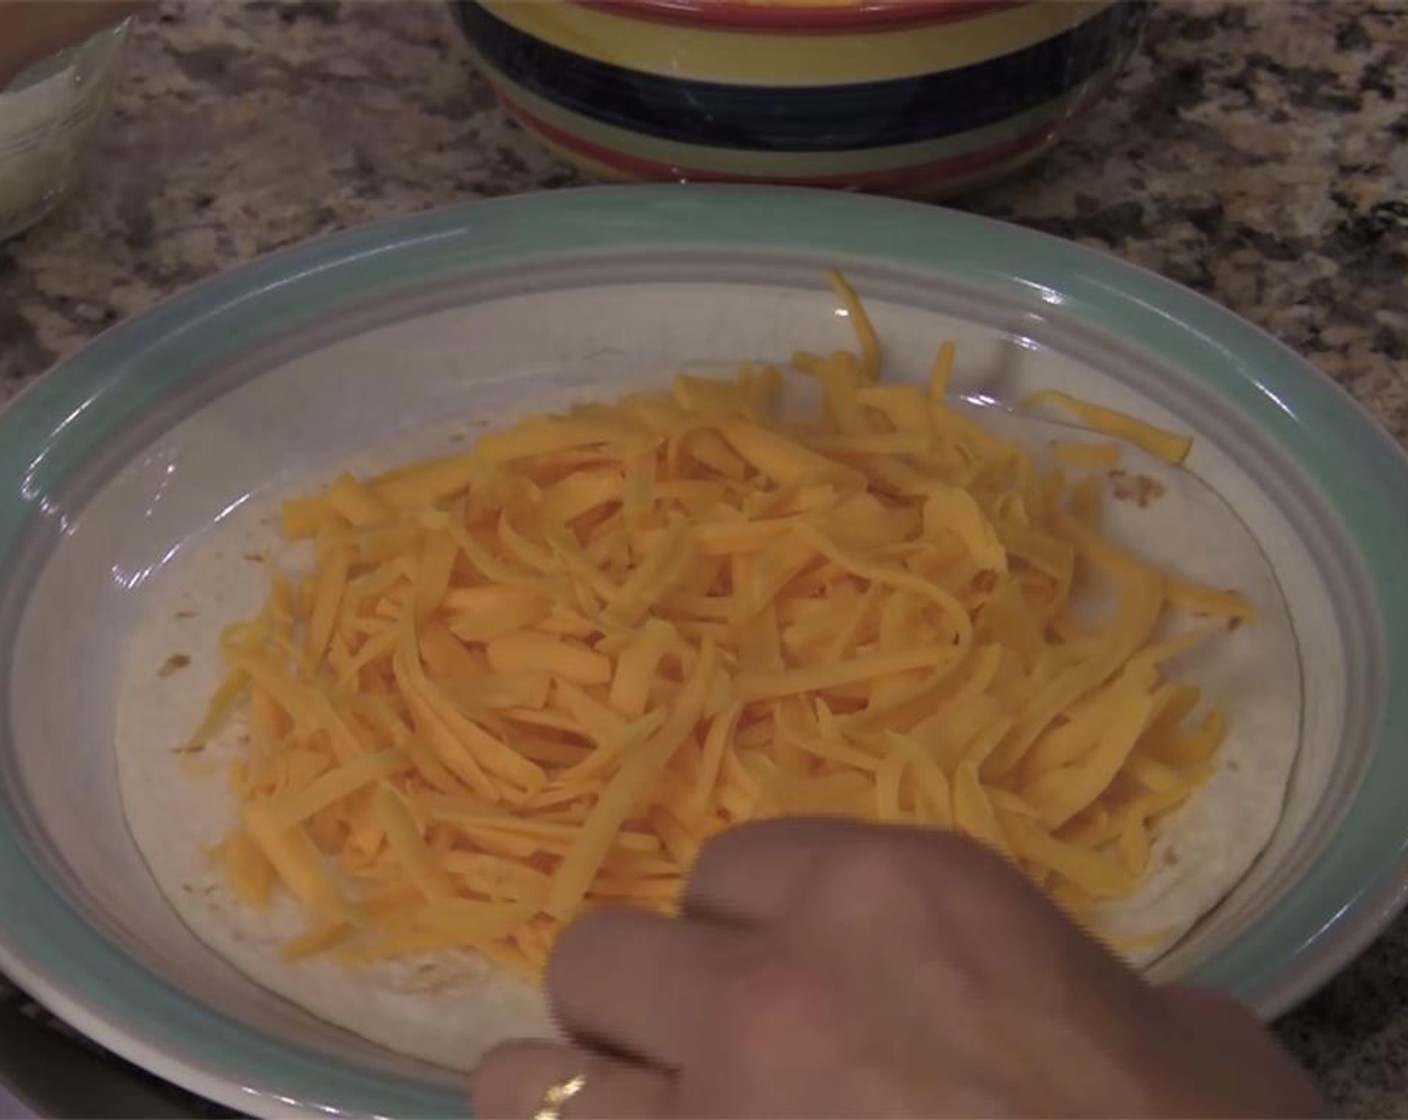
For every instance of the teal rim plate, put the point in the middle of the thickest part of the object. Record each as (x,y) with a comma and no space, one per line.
(1323,475)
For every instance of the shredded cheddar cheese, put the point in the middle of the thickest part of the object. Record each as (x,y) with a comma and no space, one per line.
(539,675)
(1168,446)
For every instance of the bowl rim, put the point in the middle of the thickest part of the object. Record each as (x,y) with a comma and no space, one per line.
(1353,887)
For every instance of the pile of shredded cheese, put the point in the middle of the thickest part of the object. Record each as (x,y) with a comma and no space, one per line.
(538,675)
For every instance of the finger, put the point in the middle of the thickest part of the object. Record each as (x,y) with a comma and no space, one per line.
(637,983)
(515,1081)
(752,873)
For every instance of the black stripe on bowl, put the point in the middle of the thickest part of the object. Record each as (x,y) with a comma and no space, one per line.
(806,119)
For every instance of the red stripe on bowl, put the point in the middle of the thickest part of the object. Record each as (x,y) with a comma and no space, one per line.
(730,15)
(903,178)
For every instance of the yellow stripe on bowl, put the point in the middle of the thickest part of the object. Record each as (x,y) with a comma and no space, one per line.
(783,165)
(791,59)
(601,172)
(927,190)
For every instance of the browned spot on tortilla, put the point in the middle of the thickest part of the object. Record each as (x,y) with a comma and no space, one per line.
(1171,857)
(457,438)
(254,557)
(173,664)
(1233,765)
(1139,488)
(1235,623)
(186,613)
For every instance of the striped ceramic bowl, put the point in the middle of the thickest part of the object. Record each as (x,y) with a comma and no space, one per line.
(919,97)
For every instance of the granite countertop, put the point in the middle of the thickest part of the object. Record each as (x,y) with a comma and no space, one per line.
(1257,152)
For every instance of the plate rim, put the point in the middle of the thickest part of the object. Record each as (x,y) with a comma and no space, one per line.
(45,429)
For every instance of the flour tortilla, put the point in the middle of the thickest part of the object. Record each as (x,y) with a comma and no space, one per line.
(1201,850)
(445,1008)
(449,1008)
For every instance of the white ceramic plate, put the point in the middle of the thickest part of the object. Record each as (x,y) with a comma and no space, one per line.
(121,463)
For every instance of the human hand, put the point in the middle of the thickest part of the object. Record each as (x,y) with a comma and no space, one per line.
(825,968)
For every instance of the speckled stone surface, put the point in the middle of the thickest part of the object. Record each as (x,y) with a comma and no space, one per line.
(1257,152)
